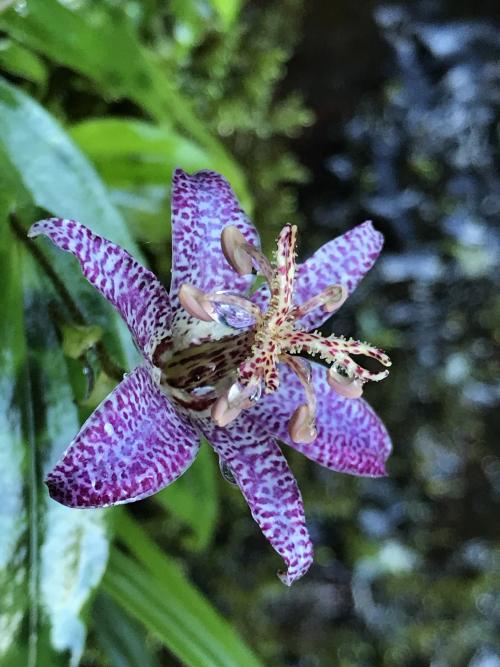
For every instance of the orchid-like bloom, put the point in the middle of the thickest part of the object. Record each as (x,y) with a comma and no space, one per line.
(226,364)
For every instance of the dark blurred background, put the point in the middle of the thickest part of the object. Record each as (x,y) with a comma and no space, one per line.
(406,98)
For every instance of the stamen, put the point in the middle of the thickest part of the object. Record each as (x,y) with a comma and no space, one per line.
(200,304)
(232,401)
(240,396)
(350,387)
(263,264)
(331,299)
(222,413)
(241,254)
(195,302)
(232,242)
(227,298)
(302,426)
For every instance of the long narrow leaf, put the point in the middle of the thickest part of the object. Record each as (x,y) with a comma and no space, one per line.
(50,557)
(158,593)
(193,499)
(122,639)
(14,457)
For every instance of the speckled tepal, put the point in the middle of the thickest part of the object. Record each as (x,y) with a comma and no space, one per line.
(227,363)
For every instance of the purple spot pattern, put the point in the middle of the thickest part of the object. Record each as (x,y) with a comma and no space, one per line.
(133,445)
(343,260)
(133,290)
(135,442)
(202,205)
(351,437)
(269,487)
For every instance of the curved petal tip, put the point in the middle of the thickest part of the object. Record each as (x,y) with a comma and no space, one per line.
(369,226)
(56,489)
(43,226)
(295,572)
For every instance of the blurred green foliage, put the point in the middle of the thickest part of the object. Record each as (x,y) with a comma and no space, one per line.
(100,102)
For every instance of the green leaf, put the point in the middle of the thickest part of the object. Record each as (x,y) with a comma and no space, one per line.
(134,152)
(58,177)
(60,180)
(13,451)
(228,11)
(136,159)
(145,207)
(193,498)
(156,593)
(18,60)
(97,41)
(122,639)
(100,42)
(55,566)
(77,339)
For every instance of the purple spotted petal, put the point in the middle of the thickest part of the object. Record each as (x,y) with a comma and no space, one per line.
(202,205)
(344,260)
(132,446)
(133,290)
(266,481)
(351,438)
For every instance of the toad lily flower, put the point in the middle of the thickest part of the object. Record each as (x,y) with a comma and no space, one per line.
(226,365)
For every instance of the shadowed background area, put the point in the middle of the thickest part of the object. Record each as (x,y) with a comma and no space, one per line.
(321,113)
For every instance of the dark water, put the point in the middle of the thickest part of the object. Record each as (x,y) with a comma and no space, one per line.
(407,100)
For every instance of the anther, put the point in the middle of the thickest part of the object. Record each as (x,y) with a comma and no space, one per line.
(196,303)
(233,243)
(334,296)
(330,298)
(232,401)
(244,257)
(345,385)
(301,426)
(222,413)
